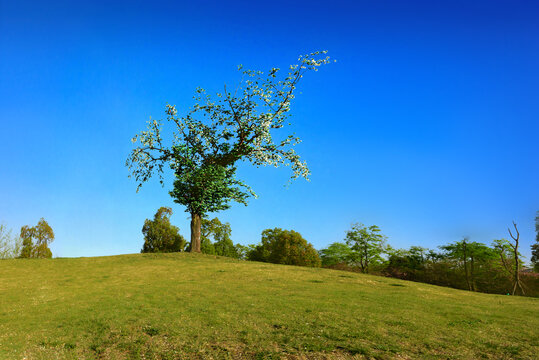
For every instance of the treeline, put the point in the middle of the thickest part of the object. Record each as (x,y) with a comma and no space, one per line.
(496,268)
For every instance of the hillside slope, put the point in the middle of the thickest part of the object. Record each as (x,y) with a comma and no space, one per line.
(169,306)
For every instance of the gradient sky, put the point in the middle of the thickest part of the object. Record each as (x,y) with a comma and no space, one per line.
(427,125)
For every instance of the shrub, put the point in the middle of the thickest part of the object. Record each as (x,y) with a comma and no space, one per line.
(285,247)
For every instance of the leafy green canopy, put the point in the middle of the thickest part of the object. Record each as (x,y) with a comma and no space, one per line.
(336,253)
(466,250)
(217,132)
(222,244)
(160,235)
(367,244)
(285,247)
(42,234)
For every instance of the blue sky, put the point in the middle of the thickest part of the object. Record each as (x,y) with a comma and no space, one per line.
(426,126)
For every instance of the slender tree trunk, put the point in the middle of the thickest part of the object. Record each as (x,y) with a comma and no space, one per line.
(196,221)
(466,267)
(472,277)
(517,283)
(366,267)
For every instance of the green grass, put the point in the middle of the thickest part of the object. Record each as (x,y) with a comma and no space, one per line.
(170,306)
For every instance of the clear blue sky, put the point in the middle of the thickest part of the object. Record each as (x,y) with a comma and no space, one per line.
(426,126)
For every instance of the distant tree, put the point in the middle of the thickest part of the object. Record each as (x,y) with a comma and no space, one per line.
(503,250)
(243,251)
(35,240)
(506,253)
(214,135)
(336,253)
(516,255)
(406,264)
(10,246)
(285,247)
(469,254)
(535,246)
(367,244)
(206,246)
(160,235)
(215,238)
(222,243)
(459,251)
(419,254)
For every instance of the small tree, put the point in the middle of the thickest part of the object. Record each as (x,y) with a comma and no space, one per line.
(406,264)
(215,134)
(469,254)
(285,247)
(10,246)
(220,233)
(535,247)
(160,235)
(222,243)
(243,251)
(509,253)
(336,253)
(42,234)
(516,254)
(367,243)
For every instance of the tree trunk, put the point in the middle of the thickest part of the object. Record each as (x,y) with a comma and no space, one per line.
(195,232)
(517,283)
(472,277)
(466,266)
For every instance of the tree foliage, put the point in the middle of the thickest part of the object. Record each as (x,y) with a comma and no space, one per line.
(285,247)
(243,251)
(222,242)
(406,264)
(215,239)
(535,246)
(36,240)
(160,235)
(468,256)
(367,244)
(10,246)
(216,133)
(336,253)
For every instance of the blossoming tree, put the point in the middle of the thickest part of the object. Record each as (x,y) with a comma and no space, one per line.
(216,133)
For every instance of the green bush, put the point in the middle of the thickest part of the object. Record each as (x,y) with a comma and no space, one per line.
(285,247)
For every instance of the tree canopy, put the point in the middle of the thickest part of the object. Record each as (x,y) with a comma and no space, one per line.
(216,133)
(10,246)
(367,244)
(469,255)
(42,234)
(336,253)
(160,235)
(535,246)
(285,247)
(215,238)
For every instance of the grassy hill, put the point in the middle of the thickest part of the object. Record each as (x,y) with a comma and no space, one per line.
(170,306)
